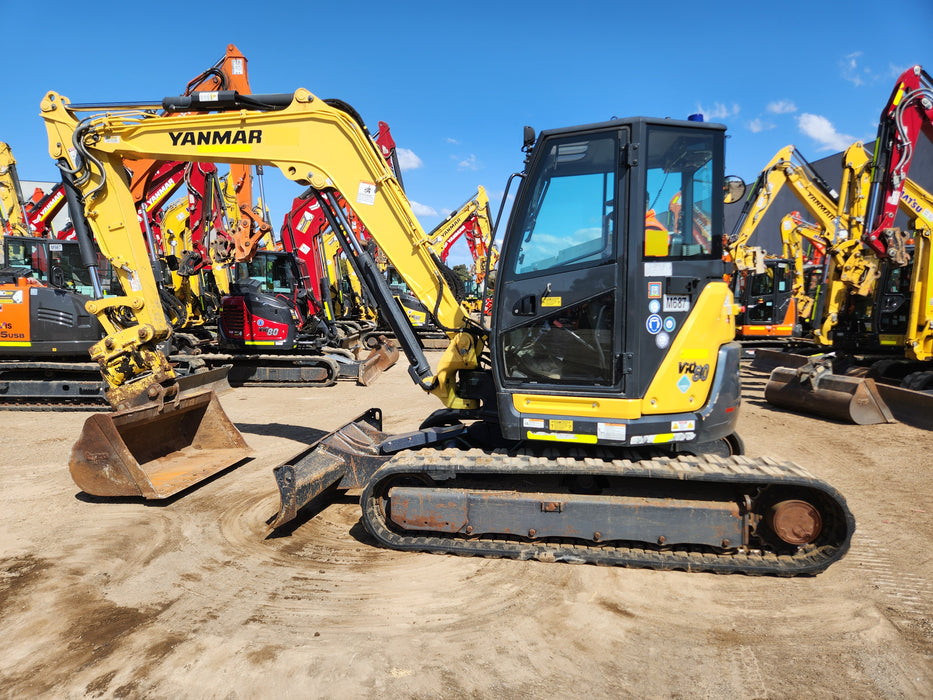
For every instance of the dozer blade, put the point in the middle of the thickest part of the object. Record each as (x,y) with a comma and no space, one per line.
(766,359)
(851,399)
(154,450)
(913,408)
(345,458)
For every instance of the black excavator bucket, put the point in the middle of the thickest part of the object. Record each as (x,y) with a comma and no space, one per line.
(851,399)
(345,458)
(156,450)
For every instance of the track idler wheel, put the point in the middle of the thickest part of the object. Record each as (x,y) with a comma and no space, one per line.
(795,522)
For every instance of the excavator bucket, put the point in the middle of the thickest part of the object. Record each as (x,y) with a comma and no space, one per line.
(345,458)
(383,354)
(156,450)
(851,399)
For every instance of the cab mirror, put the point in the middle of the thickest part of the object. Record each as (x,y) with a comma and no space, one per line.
(733,189)
(529,138)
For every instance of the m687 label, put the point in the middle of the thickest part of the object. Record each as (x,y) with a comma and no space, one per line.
(676,302)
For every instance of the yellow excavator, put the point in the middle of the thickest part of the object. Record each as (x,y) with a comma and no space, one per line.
(593,422)
(12,205)
(855,267)
(473,221)
(880,331)
(761,281)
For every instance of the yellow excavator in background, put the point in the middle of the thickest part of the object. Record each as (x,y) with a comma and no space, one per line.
(856,266)
(12,205)
(471,221)
(897,319)
(762,282)
(593,422)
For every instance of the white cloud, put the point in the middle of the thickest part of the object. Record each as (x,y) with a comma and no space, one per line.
(781,107)
(421,209)
(407,159)
(821,130)
(453,141)
(757,125)
(718,111)
(468,163)
(851,70)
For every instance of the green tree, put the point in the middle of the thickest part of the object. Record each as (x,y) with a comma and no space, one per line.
(462,272)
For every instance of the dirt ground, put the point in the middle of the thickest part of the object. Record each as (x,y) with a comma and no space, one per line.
(190,598)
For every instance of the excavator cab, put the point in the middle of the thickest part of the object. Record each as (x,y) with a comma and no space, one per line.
(603,335)
(766,301)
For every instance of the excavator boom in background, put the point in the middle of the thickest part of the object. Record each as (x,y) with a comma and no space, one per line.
(769,306)
(12,204)
(593,422)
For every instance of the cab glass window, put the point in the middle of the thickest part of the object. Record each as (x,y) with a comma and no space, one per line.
(569,218)
(679,194)
(273,272)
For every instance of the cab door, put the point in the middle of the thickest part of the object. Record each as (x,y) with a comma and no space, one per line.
(559,302)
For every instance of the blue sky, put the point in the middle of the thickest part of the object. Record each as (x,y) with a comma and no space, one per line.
(456,82)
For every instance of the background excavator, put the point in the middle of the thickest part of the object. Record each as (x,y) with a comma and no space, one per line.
(763,284)
(45,331)
(12,205)
(854,267)
(594,421)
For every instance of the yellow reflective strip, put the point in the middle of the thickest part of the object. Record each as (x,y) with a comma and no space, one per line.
(565,437)
(898,95)
(588,407)
(664,437)
(11,344)
(765,328)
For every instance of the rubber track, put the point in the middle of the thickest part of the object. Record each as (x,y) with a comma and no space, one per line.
(745,471)
(12,370)
(281,360)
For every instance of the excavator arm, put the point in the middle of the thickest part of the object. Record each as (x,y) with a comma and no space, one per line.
(311,142)
(43,208)
(472,220)
(13,212)
(788,168)
(907,114)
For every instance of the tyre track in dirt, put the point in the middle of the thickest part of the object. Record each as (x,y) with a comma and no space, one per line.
(193,598)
